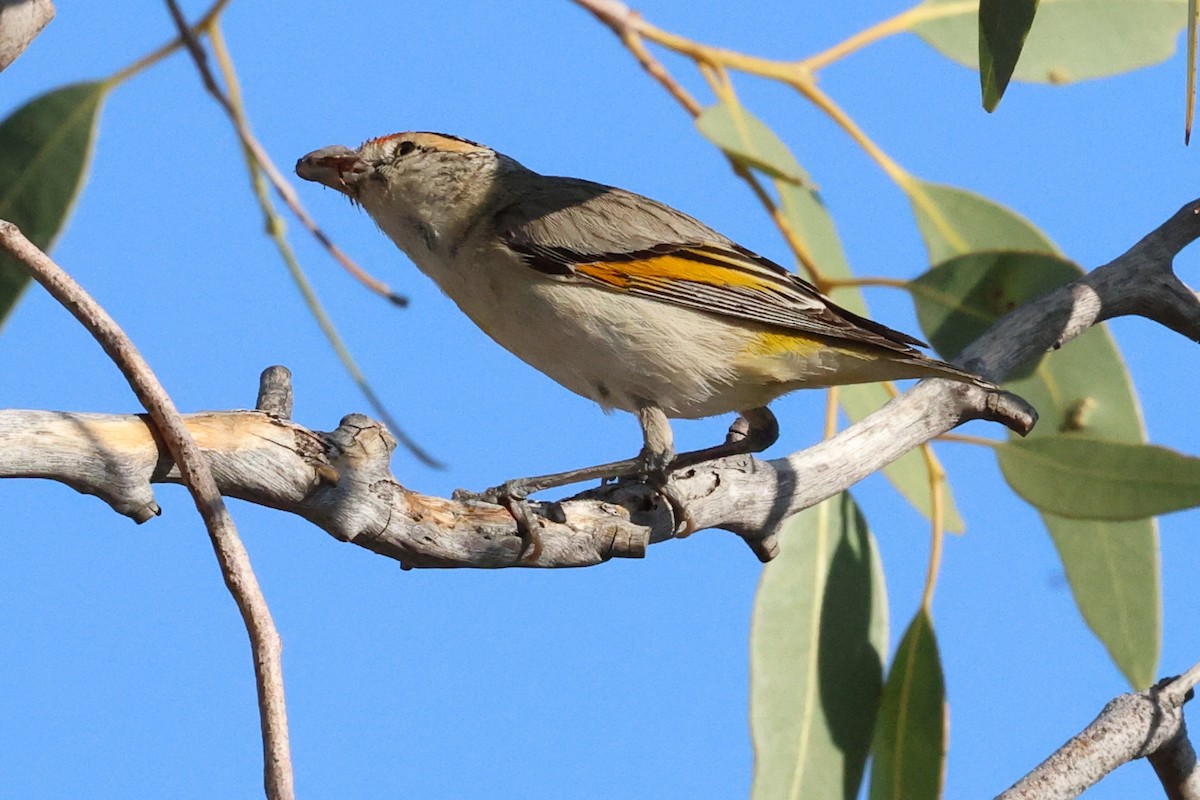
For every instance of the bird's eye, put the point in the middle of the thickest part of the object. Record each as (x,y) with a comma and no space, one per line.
(405,148)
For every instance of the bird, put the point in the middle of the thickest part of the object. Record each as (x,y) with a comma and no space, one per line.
(617,297)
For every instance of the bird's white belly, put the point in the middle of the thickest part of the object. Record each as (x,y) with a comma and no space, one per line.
(618,350)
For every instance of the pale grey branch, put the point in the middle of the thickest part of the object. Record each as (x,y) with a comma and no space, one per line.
(342,480)
(20,22)
(1147,724)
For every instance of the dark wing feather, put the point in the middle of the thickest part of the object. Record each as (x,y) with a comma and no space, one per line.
(622,241)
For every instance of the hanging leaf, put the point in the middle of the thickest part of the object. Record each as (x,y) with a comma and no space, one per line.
(1082,389)
(954,221)
(748,140)
(1189,112)
(958,300)
(1073,40)
(816,665)
(45,146)
(1081,478)
(1113,568)
(1003,26)
(909,753)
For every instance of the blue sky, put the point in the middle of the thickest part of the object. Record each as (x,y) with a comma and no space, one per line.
(124,670)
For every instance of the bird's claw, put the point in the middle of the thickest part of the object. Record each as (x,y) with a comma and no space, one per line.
(512,496)
(683,523)
(657,475)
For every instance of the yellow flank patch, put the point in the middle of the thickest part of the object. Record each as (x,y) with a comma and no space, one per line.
(774,343)
(624,274)
(796,358)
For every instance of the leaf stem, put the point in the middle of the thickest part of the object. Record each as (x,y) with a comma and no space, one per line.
(831,412)
(152,58)
(937,502)
(855,283)
(966,438)
(880,30)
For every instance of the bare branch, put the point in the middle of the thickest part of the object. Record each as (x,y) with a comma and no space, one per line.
(1147,724)
(197,476)
(1175,765)
(1131,726)
(20,23)
(342,482)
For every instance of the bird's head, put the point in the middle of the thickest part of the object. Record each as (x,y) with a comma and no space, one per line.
(417,186)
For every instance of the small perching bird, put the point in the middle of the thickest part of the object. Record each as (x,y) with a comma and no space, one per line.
(619,298)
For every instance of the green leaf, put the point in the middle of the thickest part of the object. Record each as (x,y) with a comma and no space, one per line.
(45,146)
(1003,26)
(816,664)
(954,221)
(909,752)
(1083,388)
(1073,39)
(748,140)
(961,298)
(1083,478)
(1113,569)
(811,221)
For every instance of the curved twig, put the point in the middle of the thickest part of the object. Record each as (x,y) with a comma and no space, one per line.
(197,476)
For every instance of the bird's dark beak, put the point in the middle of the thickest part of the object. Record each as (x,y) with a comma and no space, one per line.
(337,167)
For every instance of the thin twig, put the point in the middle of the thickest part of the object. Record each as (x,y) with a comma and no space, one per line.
(152,58)
(631,38)
(231,553)
(858,283)
(275,229)
(937,522)
(281,185)
(966,438)
(260,163)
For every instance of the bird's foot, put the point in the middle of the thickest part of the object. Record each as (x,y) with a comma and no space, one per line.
(655,471)
(512,495)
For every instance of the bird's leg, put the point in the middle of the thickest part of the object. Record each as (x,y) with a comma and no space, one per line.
(651,466)
(753,431)
(658,452)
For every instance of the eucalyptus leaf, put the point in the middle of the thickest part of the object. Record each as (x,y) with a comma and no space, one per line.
(748,140)
(1003,26)
(1082,389)
(816,655)
(958,300)
(1073,40)
(908,757)
(45,146)
(1081,478)
(955,221)
(1113,568)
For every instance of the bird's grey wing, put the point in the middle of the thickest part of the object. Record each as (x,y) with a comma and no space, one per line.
(625,242)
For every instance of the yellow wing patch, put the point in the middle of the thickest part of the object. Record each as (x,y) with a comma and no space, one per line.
(770,343)
(657,270)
